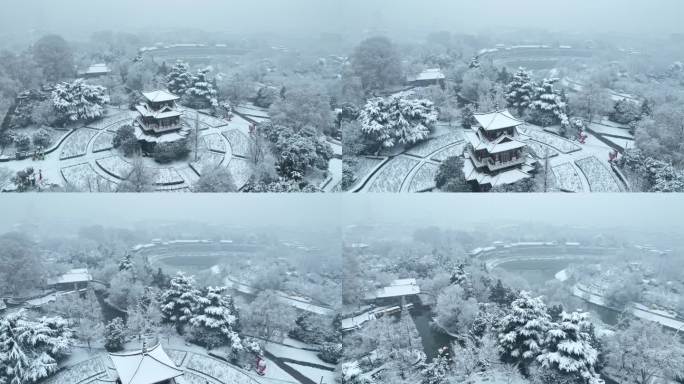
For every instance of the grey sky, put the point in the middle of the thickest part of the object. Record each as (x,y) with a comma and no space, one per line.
(643,212)
(312,211)
(657,16)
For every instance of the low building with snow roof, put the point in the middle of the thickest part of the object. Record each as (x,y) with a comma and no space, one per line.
(95,70)
(428,77)
(496,153)
(147,366)
(75,279)
(400,290)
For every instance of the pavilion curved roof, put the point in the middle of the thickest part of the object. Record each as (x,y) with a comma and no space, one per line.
(148,366)
(497,120)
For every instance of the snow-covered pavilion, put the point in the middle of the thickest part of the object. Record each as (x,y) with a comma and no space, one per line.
(496,155)
(159,119)
(148,366)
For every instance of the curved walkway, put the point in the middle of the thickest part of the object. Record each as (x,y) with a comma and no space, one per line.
(81,167)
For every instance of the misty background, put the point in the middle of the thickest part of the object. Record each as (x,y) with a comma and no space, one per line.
(75,18)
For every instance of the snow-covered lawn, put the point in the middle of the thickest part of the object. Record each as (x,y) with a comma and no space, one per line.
(103,142)
(189,121)
(115,166)
(215,142)
(365,165)
(298,354)
(113,122)
(77,144)
(428,147)
(218,369)
(207,160)
(177,356)
(452,151)
(167,176)
(392,175)
(424,178)
(83,178)
(78,373)
(192,378)
(241,171)
(557,142)
(239,142)
(539,149)
(599,177)
(567,177)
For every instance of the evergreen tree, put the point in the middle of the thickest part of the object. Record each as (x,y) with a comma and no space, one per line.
(468,117)
(126,264)
(29,349)
(216,321)
(201,93)
(520,91)
(115,335)
(439,370)
(397,120)
(500,294)
(522,330)
(79,100)
(179,301)
(549,106)
(160,279)
(179,78)
(568,349)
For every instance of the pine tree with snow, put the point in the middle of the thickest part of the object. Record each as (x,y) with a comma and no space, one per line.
(201,93)
(79,100)
(474,62)
(439,370)
(397,120)
(179,78)
(29,349)
(468,117)
(522,331)
(520,91)
(115,335)
(549,106)
(460,277)
(126,263)
(179,301)
(216,320)
(568,349)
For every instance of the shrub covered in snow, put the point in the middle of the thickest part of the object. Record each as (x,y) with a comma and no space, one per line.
(397,120)
(80,100)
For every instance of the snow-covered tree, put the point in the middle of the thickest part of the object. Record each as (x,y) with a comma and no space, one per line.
(474,63)
(79,100)
(126,263)
(397,120)
(520,91)
(115,335)
(179,301)
(201,93)
(454,311)
(29,349)
(522,331)
(568,348)
(549,106)
(216,320)
(352,374)
(439,370)
(179,78)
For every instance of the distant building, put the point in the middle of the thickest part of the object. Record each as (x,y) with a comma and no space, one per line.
(95,70)
(399,290)
(148,366)
(496,155)
(74,280)
(432,76)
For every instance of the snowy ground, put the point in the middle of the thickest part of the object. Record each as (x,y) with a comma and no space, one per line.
(576,167)
(86,162)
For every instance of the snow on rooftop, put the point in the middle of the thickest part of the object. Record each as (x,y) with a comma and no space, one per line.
(401,287)
(429,74)
(160,96)
(97,69)
(145,367)
(78,275)
(497,120)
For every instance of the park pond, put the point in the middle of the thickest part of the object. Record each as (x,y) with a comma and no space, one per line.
(538,272)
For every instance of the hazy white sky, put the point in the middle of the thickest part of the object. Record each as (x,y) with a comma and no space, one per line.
(658,16)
